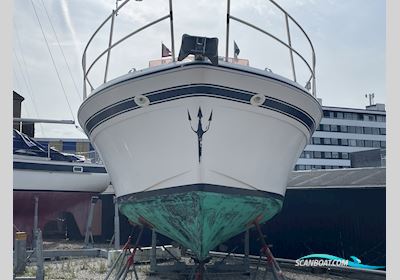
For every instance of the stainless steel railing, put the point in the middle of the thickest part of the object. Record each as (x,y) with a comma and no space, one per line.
(310,84)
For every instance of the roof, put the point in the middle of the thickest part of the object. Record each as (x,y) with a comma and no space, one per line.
(353,110)
(368,177)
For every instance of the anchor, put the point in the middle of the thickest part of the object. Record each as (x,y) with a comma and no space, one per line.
(200,132)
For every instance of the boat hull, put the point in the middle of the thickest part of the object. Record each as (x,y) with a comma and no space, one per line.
(46,175)
(200,216)
(54,207)
(199,125)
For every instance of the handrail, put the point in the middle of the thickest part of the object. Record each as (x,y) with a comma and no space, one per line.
(276,38)
(305,34)
(287,45)
(311,82)
(123,39)
(111,46)
(88,43)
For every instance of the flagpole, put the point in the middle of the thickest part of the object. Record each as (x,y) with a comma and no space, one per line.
(171,20)
(227,29)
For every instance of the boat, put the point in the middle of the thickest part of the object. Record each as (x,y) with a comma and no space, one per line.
(199,147)
(63,185)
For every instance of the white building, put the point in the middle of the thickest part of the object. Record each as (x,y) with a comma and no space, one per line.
(343,131)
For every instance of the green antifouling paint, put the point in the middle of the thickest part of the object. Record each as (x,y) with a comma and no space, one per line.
(200,220)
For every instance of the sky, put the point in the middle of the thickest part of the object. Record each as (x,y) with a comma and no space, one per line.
(348,37)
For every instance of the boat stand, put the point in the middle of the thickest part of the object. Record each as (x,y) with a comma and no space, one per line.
(200,269)
(35,222)
(125,262)
(89,233)
(271,263)
(115,239)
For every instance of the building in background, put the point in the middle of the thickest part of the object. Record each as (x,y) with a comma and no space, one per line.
(27,128)
(344,131)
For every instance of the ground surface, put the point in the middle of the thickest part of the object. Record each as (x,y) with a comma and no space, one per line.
(96,268)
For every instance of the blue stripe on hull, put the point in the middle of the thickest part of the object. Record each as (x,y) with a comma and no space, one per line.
(56,167)
(200,91)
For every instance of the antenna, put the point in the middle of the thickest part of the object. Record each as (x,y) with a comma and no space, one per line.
(370,96)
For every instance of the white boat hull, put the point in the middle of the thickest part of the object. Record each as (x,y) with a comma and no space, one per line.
(58,176)
(154,147)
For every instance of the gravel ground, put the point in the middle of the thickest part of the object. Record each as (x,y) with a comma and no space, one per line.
(96,268)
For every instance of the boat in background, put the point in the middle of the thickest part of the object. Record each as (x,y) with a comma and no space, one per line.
(201,147)
(62,183)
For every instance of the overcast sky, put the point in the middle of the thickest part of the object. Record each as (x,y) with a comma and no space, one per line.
(348,36)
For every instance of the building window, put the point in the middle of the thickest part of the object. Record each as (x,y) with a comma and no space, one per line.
(339,115)
(375,131)
(308,154)
(380,118)
(367,130)
(368,143)
(359,130)
(328,114)
(370,118)
(335,155)
(317,154)
(316,140)
(343,128)
(348,116)
(360,143)
(317,166)
(383,144)
(334,128)
(352,143)
(345,155)
(326,127)
(335,141)
(383,131)
(327,141)
(376,144)
(328,155)
(301,167)
(352,129)
(308,167)
(344,142)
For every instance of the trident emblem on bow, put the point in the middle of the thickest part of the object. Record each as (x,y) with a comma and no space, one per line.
(200,130)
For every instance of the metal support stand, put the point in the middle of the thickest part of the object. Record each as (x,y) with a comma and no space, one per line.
(117,243)
(246,260)
(35,221)
(271,262)
(127,263)
(153,257)
(89,233)
(39,256)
